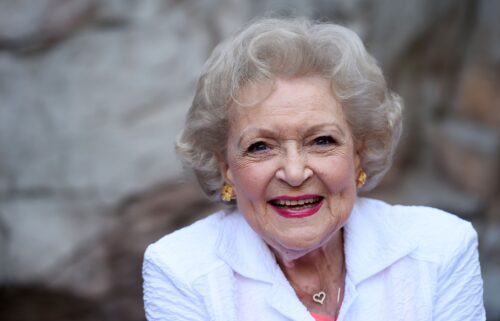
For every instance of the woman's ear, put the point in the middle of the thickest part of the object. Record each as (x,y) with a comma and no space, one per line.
(357,156)
(225,171)
(357,162)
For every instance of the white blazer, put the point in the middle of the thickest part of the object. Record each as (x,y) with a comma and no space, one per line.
(403,263)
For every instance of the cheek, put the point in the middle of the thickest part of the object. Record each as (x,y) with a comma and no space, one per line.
(251,181)
(337,174)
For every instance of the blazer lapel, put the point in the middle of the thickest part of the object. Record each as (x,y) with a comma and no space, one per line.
(374,239)
(248,255)
(283,299)
(244,251)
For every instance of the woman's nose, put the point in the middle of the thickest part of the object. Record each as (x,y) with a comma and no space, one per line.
(294,170)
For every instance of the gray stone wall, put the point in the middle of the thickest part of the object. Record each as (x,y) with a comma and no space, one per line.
(93,93)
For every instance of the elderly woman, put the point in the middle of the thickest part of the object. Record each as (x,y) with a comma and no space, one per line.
(290,120)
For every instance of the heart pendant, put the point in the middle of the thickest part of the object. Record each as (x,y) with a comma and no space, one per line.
(319,297)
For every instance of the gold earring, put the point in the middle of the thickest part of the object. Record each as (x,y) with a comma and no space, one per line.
(361,180)
(227,193)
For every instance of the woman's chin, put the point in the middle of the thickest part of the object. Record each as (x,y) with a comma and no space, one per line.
(296,246)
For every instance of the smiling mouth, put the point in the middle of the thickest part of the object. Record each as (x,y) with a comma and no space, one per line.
(296,204)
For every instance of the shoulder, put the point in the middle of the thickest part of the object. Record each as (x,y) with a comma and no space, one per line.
(172,268)
(436,234)
(435,249)
(188,252)
(440,236)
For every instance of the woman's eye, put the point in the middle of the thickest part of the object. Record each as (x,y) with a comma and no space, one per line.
(324,140)
(257,147)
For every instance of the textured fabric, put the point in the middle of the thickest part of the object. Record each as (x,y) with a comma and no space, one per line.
(403,263)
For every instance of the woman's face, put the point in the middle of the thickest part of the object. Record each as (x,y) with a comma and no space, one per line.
(292,162)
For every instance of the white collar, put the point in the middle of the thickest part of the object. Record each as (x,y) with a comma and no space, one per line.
(375,236)
(248,255)
(244,250)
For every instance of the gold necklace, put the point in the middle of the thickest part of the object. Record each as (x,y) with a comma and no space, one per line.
(320,296)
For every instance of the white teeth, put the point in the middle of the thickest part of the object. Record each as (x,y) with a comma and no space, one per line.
(297,202)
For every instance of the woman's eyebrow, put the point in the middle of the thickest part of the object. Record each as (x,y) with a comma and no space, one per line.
(254,131)
(326,125)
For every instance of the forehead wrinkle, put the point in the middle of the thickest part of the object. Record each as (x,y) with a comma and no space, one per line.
(280,115)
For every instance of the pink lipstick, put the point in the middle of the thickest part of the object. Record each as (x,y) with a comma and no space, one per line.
(297,206)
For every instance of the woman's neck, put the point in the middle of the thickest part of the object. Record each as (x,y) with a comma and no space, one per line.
(320,270)
(331,253)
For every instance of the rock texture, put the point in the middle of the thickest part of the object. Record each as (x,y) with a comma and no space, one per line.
(93,93)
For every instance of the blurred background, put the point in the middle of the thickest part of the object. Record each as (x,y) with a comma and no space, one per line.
(93,93)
